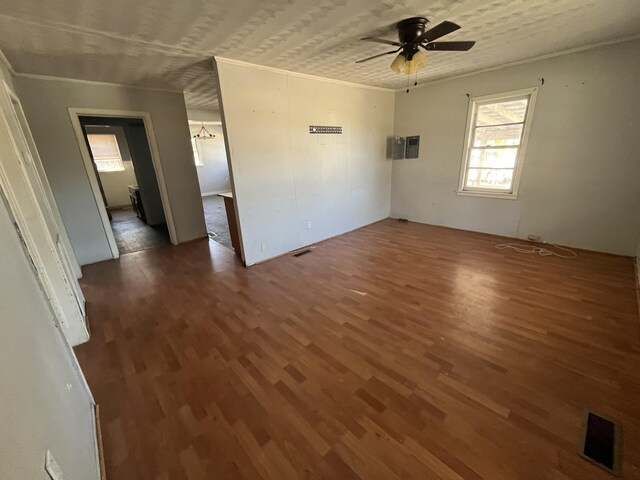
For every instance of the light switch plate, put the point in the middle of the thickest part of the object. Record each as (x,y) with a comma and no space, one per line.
(52,467)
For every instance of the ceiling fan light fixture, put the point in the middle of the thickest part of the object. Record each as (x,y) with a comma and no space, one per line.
(413,37)
(417,62)
(398,63)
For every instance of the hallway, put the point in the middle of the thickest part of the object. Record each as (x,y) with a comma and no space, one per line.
(133,235)
(216,219)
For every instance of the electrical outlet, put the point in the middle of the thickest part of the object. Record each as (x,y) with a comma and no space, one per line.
(308,224)
(534,238)
(263,247)
(52,467)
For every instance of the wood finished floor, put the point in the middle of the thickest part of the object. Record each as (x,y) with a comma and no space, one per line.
(398,351)
(215,216)
(133,235)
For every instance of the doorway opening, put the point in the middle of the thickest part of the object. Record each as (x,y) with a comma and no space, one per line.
(122,162)
(210,156)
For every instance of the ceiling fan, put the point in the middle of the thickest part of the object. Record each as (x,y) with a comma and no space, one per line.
(413,35)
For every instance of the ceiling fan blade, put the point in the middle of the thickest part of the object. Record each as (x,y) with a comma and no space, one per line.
(438,31)
(381,40)
(379,55)
(449,46)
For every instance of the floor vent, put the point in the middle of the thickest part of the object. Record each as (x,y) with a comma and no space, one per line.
(302,252)
(601,442)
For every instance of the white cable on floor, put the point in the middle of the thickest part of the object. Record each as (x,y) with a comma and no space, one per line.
(544,252)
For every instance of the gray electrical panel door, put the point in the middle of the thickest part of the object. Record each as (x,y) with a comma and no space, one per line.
(397,148)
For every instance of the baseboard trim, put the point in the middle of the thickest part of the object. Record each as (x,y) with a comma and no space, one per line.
(211,194)
(310,245)
(101,466)
(126,206)
(506,237)
(636,270)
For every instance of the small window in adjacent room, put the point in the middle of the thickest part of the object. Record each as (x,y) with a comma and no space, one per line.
(497,132)
(196,153)
(106,153)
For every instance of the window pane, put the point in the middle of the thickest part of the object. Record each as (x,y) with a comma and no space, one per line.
(105,151)
(498,113)
(109,165)
(503,135)
(493,157)
(104,146)
(490,178)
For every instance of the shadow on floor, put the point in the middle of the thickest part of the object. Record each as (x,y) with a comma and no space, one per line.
(216,219)
(133,235)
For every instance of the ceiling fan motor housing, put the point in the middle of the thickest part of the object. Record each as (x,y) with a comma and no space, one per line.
(408,32)
(410,29)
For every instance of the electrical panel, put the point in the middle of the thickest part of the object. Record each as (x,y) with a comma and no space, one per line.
(413,147)
(397,148)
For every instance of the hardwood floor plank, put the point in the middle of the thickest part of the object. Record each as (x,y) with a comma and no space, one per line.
(397,351)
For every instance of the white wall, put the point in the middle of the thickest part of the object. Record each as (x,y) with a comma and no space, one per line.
(579,185)
(116,184)
(213,174)
(204,115)
(43,400)
(46,102)
(285,177)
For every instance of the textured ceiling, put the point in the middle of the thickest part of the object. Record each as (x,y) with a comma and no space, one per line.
(168,43)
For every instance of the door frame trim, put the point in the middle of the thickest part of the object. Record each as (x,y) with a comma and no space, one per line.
(23,125)
(58,292)
(74,115)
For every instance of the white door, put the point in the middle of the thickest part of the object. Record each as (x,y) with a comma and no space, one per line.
(38,226)
(34,171)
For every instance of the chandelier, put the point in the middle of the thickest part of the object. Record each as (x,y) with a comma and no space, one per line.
(203,134)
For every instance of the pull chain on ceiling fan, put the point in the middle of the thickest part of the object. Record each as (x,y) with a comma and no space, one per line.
(414,36)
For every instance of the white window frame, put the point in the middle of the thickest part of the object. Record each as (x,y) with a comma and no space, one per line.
(197,158)
(474,102)
(117,159)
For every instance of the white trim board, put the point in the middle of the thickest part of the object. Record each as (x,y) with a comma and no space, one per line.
(195,123)
(474,102)
(75,114)
(93,82)
(211,194)
(314,244)
(26,130)
(7,63)
(225,137)
(299,75)
(520,62)
(39,239)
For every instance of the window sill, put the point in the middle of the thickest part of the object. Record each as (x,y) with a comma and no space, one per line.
(503,196)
